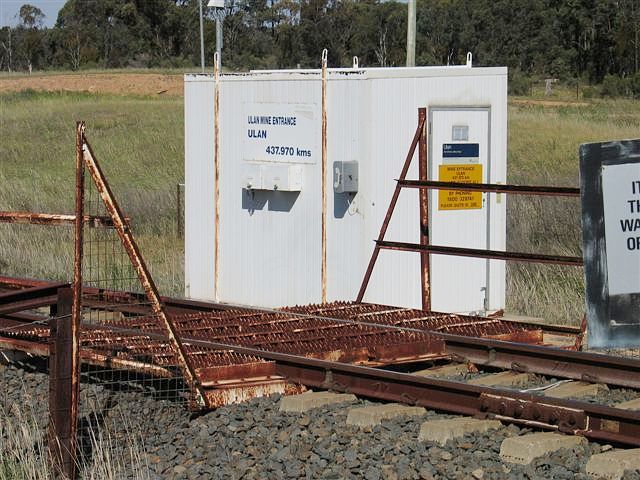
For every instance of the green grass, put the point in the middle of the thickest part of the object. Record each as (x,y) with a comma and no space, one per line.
(543,149)
(139,141)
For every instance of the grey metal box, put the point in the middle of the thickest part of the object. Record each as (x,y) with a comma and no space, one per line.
(345,177)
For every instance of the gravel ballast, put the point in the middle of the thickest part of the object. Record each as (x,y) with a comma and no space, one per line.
(255,441)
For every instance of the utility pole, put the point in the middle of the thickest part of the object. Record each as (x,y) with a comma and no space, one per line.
(411,34)
(201,37)
(219,36)
(218,14)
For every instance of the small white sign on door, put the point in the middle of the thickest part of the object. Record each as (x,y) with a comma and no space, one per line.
(621,202)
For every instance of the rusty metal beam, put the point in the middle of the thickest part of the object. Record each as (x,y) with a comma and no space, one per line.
(423,172)
(323,182)
(392,206)
(480,253)
(589,367)
(52,219)
(131,247)
(26,346)
(23,317)
(491,187)
(128,302)
(29,298)
(88,356)
(14,283)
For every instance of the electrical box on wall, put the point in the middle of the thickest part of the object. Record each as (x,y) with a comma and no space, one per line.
(345,177)
(283,178)
(252,178)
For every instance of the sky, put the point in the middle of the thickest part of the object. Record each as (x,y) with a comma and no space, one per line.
(9,10)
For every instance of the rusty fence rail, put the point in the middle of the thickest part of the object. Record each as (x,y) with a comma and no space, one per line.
(425,248)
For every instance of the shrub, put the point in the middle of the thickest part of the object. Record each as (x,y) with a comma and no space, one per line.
(635,85)
(615,86)
(519,83)
(588,92)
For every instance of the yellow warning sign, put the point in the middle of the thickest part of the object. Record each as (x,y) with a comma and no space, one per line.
(457,199)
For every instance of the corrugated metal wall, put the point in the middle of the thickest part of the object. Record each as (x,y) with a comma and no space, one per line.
(270,242)
(199,188)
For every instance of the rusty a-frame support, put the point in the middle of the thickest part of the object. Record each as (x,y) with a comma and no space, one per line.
(419,141)
(65,338)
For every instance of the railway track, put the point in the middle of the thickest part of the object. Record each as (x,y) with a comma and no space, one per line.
(361,349)
(348,437)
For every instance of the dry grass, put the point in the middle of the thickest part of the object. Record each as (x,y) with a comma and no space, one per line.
(543,150)
(24,454)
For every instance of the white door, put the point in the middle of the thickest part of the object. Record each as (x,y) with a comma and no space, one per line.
(458,152)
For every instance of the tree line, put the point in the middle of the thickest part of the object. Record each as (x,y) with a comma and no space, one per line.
(569,39)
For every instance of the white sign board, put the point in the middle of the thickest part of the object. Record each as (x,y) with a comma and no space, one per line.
(275,132)
(621,202)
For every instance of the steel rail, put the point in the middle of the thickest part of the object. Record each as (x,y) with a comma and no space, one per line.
(584,366)
(596,422)
(88,356)
(491,188)
(29,298)
(108,300)
(481,253)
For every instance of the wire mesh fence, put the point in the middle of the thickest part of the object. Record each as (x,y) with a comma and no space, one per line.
(24,389)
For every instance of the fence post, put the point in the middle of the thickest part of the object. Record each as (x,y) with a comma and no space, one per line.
(63,382)
(423,172)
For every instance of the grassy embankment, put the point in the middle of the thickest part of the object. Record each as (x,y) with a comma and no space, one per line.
(139,140)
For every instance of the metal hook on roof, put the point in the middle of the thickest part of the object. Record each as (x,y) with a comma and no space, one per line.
(355,62)
(325,53)
(469,59)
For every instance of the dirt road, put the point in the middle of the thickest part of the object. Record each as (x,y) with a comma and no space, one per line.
(118,83)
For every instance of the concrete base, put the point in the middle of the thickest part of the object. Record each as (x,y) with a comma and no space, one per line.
(450,370)
(612,465)
(310,400)
(630,405)
(371,416)
(523,450)
(502,379)
(576,390)
(441,431)
(558,340)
